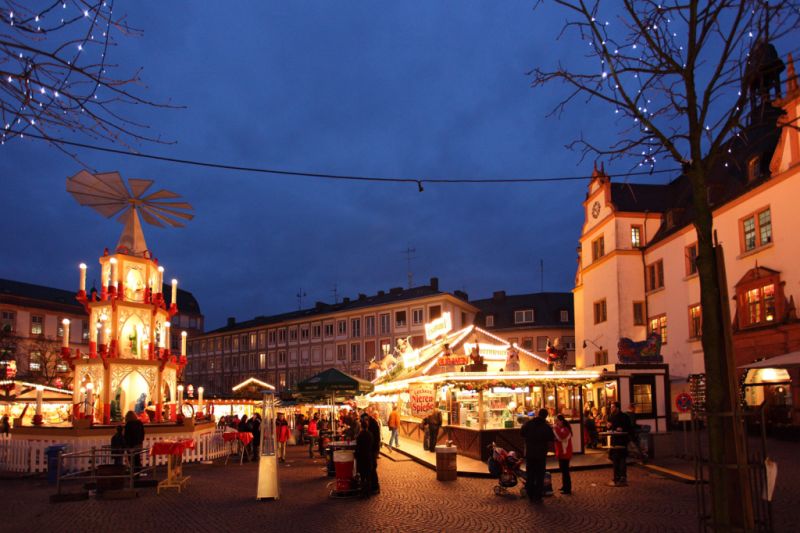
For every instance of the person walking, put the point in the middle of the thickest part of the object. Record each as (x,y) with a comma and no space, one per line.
(394,426)
(365,458)
(434,423)
(538,437)
(620,424)
(313,434)
(282,435)
(134,437)
(563,449)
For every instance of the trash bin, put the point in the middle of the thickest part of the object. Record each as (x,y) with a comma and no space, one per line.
(446,463)
(52,461)
(344,461)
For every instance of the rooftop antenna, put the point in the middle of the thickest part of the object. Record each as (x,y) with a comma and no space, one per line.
(300,295)
(335,292)
(408,252)
(541,275)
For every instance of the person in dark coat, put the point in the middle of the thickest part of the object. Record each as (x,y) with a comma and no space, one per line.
(134,436)
(375,431)
(365,459)
(434,423)
(118,445)
(538,437)
(621,425)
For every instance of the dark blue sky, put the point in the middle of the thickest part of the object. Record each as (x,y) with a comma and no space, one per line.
(404,89)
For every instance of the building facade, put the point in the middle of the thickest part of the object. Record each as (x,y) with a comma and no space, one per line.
(531,320)
(637,272)
(284,349)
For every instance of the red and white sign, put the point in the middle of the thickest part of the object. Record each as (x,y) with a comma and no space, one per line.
(422,399)
(683,402)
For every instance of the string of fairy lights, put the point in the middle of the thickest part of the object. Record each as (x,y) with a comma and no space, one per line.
(68,91)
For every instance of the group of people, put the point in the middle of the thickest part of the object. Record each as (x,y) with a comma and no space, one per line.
(540,437)
(130,437)
(244,424)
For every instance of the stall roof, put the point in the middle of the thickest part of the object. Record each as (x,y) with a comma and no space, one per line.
(333,381)
(520,378)
(23,391)
(787,360)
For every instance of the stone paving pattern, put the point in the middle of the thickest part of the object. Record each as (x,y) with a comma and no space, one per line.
(222,498)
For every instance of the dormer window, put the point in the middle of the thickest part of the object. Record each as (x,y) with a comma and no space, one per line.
(489,321)
(753,169)
(523,317)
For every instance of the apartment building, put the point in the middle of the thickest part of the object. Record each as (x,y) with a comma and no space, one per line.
(286,348)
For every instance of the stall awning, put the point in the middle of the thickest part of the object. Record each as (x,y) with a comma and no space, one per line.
(787,360)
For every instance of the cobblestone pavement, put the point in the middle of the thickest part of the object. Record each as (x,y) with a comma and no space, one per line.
(222,498)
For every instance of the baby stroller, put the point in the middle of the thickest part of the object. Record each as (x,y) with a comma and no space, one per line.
(506,467)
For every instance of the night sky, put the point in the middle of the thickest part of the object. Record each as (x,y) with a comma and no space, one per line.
(396,89)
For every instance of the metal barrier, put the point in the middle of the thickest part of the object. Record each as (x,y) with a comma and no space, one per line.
(95,459)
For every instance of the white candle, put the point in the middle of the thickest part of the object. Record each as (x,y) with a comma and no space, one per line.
(183,343)
(114,271)
(39,393)
(180,397)
(174,300)
(65,340)
(83,399)
(159,288)
(200,398)
(82,286)
(106,335)
(166,340)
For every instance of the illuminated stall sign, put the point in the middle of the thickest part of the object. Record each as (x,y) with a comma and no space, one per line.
(438,327)
(453,360)
(422,399)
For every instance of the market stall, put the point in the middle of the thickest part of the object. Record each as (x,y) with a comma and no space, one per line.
(484,388)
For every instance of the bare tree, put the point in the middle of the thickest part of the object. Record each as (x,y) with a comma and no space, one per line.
(56,77)
(683,78)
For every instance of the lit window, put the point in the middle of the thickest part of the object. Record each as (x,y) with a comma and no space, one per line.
(643,398)
(695,322)
(489,321)
(37,325)
(7,321)
(658,324)
(636,236)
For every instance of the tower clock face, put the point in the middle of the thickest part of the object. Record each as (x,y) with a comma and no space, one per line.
(595,209)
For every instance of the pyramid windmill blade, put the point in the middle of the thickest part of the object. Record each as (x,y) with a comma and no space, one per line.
(108,194)
(139,186)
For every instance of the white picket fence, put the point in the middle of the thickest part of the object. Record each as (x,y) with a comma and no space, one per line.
(23,454)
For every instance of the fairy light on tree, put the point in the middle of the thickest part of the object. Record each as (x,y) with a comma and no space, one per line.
(54,74)
(681,79)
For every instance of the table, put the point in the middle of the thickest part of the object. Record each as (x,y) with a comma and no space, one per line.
(608,435)
(173,449)
(242,440)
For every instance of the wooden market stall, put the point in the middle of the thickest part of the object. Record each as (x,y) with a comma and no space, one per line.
(484,387)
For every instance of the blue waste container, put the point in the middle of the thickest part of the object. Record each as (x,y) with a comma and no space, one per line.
(52,461)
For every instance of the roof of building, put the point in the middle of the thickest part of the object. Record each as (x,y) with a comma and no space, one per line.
(547,308)
(46,297)
(61,300)
(394,295)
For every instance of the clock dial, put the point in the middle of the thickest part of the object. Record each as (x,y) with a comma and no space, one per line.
(596,209)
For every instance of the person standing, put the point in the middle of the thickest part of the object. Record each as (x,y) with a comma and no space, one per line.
(434,423)
(620,424)
(282,435)
(394,426)
(538,437)
(313,434)
(375,430)
(118,445)
(255,429)
(365,458)
(134,436)
(563,449)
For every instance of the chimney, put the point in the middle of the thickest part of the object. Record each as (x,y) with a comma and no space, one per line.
(320,305)
(461,295)
(499,296)
(346,300)
(396,290)
(381,293)
(231,321)
(435,284)
(362,296)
